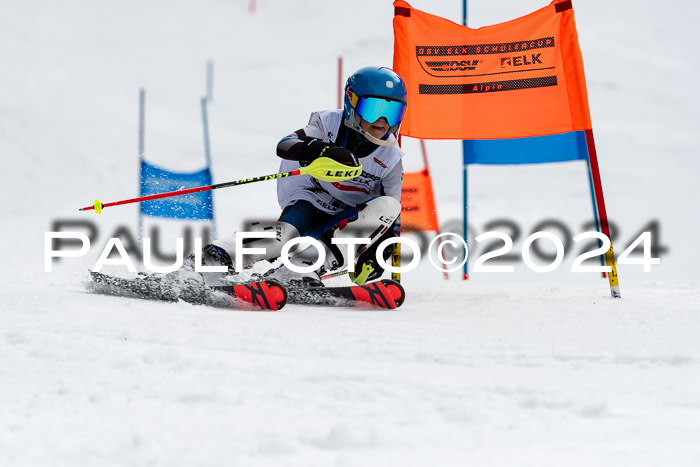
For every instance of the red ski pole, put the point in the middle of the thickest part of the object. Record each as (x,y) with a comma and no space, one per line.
(322,168)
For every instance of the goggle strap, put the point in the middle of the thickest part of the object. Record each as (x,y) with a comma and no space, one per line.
(377,141)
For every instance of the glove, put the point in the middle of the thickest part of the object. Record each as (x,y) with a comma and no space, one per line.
(314,149)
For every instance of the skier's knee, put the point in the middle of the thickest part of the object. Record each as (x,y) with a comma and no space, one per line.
(384,206)
(374,222)
(373,219)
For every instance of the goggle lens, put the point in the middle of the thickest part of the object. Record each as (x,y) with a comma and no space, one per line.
(372,109)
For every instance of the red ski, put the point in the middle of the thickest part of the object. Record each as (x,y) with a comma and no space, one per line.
(386,294)
(264,295)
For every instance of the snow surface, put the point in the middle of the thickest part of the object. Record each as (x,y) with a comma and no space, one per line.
(507,369)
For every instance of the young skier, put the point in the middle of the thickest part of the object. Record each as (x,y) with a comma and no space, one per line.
(365,130)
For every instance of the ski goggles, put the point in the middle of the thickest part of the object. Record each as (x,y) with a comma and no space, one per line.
(372,109)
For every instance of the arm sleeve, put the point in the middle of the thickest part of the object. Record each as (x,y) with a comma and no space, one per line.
(295,146)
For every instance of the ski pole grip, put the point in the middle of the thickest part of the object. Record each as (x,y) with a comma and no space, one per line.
(329,170)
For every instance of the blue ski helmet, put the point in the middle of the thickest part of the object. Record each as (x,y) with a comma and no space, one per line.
(372,93)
